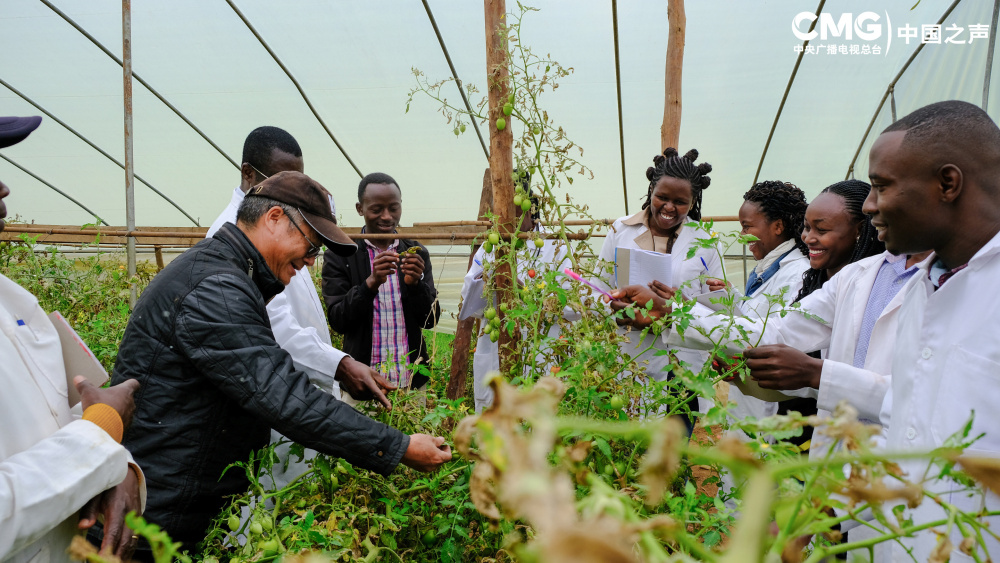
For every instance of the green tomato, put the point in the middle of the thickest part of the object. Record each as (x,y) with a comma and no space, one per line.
(536,130)
(494,335)
(508,109)
(517,200)
(620,466)
(269,547)
(256,529)
(526,205)
(533,168)
(539,243)
(461,128)
(501,124)
(617,402)
(429,538)
(265,523)
(210,559)
(488,246)
(510,98)
(609,470)
(489,313)
(233,522)
(504,307)
(494,238)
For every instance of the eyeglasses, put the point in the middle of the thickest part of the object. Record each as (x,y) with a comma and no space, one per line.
(313,249)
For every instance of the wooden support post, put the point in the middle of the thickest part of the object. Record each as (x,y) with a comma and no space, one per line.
(670,131)
(158,251)
(467,327)
(501,159)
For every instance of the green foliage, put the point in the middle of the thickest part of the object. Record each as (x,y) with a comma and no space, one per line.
(91,290)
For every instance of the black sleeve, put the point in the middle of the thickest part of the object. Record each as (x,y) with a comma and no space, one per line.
(347,305)
(420,300)
(225,334)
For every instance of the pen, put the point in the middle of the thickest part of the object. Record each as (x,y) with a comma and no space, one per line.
(579,278)
(703,263)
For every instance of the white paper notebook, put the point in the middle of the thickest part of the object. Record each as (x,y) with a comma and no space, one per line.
(639,267)
(77,358)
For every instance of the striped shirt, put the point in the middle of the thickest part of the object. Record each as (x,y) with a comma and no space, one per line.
(390,347)
(892,276)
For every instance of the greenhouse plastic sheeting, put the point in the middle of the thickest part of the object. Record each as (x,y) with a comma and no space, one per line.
(354,60)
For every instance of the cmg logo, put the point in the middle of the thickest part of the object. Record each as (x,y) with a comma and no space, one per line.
(865,26)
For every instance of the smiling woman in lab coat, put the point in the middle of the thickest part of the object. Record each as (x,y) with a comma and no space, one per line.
(674,198)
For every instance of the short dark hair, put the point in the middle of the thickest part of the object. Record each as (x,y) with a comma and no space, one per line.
(376,178)
(683,167)
(253,208)
(945,123)
(784,201)
(260,144)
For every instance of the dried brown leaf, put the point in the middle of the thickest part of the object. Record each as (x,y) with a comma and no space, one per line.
(662,459)
(985,470)
(942,551)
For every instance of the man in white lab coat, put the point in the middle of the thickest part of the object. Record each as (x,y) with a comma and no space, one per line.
(297,317)
(936,184)
(53,461)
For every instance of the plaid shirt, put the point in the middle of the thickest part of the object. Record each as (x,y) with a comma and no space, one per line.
(390,347)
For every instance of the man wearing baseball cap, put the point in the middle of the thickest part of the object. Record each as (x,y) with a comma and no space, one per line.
(60,470)
(215,382)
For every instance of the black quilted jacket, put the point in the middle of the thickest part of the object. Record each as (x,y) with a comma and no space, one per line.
(214,382)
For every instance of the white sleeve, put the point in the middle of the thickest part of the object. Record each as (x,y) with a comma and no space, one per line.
(47,483)
(473,301)
(314,354)
(865,390)
(795,329)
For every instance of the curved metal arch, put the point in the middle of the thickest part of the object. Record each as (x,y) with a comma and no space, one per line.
(55,189)
(295,83)
(139,79)
(95,147)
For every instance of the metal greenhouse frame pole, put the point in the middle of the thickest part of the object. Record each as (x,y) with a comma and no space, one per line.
(618,83)
(458,81)
(55,189)
(989,55)
(295,83)
(138,79)
(784,97)
(95,147)
(889,90)
(129,173)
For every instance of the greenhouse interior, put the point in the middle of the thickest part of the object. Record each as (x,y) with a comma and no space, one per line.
(450,281)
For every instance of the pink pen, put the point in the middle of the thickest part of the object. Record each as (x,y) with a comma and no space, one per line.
(580,278)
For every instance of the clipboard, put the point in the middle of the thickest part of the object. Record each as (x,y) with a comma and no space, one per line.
(634,266)
(750,388)
(77,358)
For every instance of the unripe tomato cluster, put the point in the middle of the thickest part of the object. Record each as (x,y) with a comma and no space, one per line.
(492,324)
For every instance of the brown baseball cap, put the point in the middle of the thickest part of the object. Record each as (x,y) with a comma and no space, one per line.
(312,200)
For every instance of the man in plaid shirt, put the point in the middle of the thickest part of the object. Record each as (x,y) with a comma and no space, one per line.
(383,298)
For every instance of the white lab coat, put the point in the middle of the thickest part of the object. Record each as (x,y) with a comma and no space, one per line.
(947,365)
(632,233)
(841,304)
(299,324)
(51,462)
(789,275)
(486,358)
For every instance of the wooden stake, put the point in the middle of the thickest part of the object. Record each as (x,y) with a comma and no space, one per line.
(467,327)
(501,158)
(670,131)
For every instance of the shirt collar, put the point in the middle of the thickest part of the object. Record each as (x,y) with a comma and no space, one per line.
(774,256)
(392,245)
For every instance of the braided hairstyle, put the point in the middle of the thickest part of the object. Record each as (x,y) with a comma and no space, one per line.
(854,193)
(683,167)
(784,201)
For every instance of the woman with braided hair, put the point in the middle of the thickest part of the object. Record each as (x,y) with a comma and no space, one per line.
(837,233)
(674,198)
(773,211)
